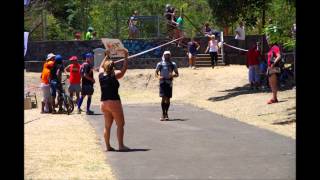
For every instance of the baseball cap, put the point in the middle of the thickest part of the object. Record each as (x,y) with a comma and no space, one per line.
(89,55)
(73,58)
(51,55)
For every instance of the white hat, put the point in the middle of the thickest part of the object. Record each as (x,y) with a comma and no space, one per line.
(51,55)
(166,52)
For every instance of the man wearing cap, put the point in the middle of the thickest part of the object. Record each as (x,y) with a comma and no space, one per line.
(166,68)
(55,82)
(75,77)
(87,83)
(89,35)
(46,105)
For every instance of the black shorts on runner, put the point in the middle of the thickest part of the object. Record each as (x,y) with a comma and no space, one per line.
(87,90)
(165,90)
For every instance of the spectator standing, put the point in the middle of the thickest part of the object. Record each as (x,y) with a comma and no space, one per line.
(133,29)
(75,78)
(89,35)
(240,36)
(213,50)
(46,106)
(273,70)
(193,47)
(86,71)
(253,64)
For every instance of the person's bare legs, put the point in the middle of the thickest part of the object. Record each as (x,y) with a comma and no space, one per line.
(53,103)
(108,120)
(78,96)
(274,86)
(117,113)
(193,61)
(190,60)
(71,95)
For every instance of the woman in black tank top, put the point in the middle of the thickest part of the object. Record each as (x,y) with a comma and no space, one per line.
(110,100)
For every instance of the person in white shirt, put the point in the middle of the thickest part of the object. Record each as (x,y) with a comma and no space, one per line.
(241,36)
(213,50)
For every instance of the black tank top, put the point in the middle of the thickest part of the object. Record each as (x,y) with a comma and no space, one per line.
(109,87)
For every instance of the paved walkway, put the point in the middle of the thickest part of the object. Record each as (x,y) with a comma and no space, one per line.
(196,144)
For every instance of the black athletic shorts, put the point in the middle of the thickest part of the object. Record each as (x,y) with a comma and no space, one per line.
(87,90)
(165,90)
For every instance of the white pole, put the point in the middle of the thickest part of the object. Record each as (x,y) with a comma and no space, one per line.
(222,53)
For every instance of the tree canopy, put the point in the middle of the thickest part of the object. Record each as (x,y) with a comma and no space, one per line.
(62,18)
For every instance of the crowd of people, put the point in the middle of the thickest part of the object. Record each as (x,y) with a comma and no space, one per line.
(80,82)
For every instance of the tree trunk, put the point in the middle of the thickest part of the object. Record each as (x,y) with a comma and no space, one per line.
(226,30)
(263,17)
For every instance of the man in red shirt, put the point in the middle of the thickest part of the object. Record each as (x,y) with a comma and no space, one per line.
(75,77)
(253,64)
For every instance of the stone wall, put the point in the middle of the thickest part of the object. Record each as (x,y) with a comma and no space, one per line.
(37,50)
(136,63)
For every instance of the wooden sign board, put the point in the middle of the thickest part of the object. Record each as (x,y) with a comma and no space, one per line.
(113,45)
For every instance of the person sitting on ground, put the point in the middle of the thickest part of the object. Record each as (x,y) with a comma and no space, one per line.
(89,35)
(86,71)
(166,68)
(133,29)
(46,106)
(75,78)
(213,50)
(110,100)
(253,64)
(55,83)
(193,47)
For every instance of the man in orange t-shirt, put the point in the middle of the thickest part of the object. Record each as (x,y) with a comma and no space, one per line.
(45,86)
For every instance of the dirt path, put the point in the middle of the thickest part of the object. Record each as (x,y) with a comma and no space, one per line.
(60,146)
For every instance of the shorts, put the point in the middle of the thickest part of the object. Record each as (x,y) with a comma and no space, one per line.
(274,70)
(54,86)
(254,74)
(45,88)
(165,90)
(74,88)
(192,54)
(87,90)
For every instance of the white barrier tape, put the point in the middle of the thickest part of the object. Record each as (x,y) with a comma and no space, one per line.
(143,52)
(235,47)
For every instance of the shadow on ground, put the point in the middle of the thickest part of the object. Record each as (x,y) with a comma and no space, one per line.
(235,92)
(177,119)
(134,150)
(245,90)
